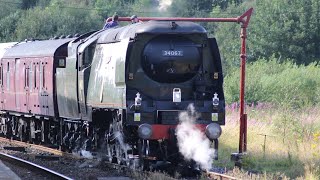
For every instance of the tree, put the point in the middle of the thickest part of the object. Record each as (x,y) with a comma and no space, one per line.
(27,4)
(110,7)
(8,26)
(191,8)
(145,8)
(288,29)
(285,29)
(228,35)
(224,4)
(8,7)
(54,21)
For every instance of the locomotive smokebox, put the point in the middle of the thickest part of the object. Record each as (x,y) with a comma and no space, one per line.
(176,60)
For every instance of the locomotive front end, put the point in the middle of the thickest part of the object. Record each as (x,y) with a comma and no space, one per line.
(168,70)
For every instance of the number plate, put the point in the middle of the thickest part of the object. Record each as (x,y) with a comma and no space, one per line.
(172,53)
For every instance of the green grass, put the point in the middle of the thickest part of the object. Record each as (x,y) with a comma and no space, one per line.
(285,84)
(282,143)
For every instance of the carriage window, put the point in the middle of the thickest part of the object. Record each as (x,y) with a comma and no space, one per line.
(62,62)
(42,75)
(26,77)
(8,76)
(30,77)
(1,76)
(88,54)
(35,75)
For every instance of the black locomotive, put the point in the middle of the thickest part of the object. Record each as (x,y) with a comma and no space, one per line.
(118,91)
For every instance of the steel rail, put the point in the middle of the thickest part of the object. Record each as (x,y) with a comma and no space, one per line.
(218,176)
(38,147)
(211,175)
(61,153)
(30,165)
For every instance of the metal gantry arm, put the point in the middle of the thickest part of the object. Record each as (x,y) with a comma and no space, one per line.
(244,21)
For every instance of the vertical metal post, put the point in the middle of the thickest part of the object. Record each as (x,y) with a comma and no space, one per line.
(244,19)
(264,146)
(243,129)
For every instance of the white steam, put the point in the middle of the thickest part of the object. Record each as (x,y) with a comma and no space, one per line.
(118,135)
(192,143)
(164,4)
(86,154)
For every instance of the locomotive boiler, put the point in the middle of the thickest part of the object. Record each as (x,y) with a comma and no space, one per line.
(117,91)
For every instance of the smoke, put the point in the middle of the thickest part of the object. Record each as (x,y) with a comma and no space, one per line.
(86,154)
(119,136)
(192,143)
(164,4)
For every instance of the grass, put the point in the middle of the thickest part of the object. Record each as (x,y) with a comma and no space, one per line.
(282,143)
(150,176)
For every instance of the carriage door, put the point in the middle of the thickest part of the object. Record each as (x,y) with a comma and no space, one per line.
(43,89)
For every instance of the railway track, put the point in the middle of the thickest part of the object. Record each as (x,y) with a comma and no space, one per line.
(31,166)
(218,176)
(38,147)
(210,175)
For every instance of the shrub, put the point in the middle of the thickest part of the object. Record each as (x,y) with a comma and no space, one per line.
(285,84)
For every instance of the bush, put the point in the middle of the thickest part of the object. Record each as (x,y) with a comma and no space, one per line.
(8,26)
(285,84)
(54,21)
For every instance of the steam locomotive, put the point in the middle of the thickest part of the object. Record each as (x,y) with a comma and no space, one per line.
(118,91)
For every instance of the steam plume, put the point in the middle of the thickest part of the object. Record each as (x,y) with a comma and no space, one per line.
(86,154)
(192,143)
(118,135)
(164,4)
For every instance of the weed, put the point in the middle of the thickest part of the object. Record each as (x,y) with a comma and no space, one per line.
(283,143)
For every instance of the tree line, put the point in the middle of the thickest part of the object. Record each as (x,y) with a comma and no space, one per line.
(288,30)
